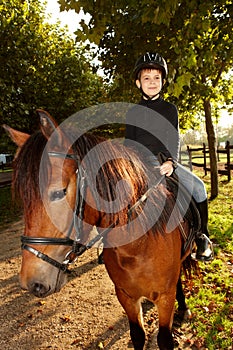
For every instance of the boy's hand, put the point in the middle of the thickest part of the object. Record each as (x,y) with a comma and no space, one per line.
(166,168)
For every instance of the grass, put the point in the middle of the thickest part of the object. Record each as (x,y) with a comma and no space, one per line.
(210,295)
(211,304)
(221,214)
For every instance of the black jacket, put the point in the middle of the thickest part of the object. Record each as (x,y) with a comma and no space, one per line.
(153,124)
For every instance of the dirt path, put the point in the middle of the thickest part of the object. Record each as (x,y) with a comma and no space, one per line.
(85,315)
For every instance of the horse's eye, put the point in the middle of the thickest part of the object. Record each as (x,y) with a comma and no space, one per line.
(57,195)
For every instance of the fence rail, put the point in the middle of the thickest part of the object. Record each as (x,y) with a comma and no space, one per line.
(202,153)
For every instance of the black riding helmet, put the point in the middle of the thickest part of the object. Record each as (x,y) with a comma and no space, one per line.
(151,60)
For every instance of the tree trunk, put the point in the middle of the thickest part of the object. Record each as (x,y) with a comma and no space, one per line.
(212,149)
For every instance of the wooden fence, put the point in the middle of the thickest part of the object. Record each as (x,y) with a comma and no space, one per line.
(202,153)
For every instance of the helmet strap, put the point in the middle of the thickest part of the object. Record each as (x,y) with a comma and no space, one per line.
(148,97)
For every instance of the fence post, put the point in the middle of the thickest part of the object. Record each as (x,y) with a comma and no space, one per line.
(204,152)
(190,158)
(228,161)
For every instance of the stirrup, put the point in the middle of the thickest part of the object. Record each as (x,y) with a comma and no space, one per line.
(204,255)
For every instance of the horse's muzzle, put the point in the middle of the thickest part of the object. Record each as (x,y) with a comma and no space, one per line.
(39,290)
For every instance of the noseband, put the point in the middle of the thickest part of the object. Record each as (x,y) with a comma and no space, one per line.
(77,248)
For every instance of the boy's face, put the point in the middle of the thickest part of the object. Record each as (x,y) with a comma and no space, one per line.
(150,81)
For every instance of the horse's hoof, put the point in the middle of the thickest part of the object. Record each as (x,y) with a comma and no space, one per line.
(184,315)
(101,259)
(187,315)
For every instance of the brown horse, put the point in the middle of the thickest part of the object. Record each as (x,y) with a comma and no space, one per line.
(66,189)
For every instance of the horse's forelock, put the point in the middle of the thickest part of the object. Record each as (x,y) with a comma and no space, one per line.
(25,182)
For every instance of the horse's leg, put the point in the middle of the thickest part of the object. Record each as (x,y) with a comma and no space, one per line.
(180,296)
(165,307)
(133,310)
(183,310)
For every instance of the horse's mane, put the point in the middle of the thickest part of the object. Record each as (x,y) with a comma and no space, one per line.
(114,163)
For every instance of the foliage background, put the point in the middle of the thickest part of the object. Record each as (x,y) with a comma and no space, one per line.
(41,66)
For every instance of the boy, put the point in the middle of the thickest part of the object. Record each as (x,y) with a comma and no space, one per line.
(153,128)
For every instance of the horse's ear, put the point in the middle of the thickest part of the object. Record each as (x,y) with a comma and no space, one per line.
(47,124)
(18,137)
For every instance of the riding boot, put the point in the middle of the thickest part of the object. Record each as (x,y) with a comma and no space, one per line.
(204,245)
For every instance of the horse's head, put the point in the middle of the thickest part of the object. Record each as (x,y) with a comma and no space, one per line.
(45,179)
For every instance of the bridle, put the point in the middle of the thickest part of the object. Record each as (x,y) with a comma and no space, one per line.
(77,248)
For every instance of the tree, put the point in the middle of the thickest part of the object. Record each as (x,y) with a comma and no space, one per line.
(206,58)
(41,66)
(194,36)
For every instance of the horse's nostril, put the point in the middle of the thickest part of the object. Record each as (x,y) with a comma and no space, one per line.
(39,290)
